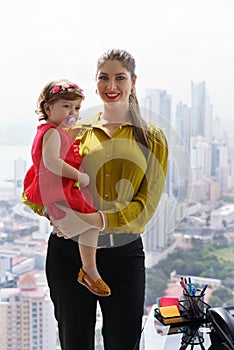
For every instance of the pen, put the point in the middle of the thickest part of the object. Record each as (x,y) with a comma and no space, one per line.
(193,291)
(192,288)
(203,290)
(183,286)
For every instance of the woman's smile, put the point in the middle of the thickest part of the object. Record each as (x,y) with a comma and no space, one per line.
(112,95)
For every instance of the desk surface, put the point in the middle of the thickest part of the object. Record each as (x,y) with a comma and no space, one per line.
(155,336)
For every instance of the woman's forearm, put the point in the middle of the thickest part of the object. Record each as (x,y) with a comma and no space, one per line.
(75,223)
(98,219)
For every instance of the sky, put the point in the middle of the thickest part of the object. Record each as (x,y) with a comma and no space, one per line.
(173,43)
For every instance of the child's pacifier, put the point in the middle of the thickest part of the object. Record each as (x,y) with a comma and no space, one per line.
(71,119)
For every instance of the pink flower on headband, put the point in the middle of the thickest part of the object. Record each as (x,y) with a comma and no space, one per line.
(65,87)
(75,86)
(55,89)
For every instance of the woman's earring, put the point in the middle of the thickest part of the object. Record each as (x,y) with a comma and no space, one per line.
(96,92)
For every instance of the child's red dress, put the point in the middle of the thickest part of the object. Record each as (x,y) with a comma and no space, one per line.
(41,186)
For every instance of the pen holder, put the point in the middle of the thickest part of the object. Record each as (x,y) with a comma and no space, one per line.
(193,306)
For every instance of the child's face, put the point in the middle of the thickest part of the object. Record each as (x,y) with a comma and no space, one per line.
(59,112)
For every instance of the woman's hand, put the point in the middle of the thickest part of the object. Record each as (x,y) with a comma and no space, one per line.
(73,224)
(58,233)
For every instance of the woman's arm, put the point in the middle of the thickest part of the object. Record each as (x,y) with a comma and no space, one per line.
(75,222)
(134,214)
(51,146)
(141,208)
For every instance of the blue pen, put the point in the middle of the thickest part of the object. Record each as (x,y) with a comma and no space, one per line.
(193,291)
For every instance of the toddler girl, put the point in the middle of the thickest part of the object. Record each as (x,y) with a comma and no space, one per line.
(56,174)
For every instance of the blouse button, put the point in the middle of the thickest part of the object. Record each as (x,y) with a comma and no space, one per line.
(106,195)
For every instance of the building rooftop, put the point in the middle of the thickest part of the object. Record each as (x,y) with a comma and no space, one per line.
(224,210)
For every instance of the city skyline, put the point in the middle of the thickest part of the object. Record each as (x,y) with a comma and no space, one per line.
(212,166)
(25,131)
(173,44)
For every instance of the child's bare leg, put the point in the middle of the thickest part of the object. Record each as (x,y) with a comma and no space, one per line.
(88,246)
(88,274)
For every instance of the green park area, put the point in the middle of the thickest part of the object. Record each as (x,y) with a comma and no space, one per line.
(209,261)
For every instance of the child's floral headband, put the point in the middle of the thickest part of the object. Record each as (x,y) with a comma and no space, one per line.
(64,87)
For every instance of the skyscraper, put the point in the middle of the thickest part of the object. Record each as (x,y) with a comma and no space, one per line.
(200,158)
(27,317)
(157,103)
(183,123)
(201,111)
(19,172)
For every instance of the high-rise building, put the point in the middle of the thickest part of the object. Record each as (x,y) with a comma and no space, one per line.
(19,173)
(5,264)
(201,111)
(7,278)
(231,176)
(27,316)
(220,167)
(155,236)
(200,158)
(214,157)
(183,123)
(44,229)
(216,130)
(157,104)
(214,191)
(223,156)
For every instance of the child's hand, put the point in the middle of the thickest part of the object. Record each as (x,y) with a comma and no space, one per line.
(83,179)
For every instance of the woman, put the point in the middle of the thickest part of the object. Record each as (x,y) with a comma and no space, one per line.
(127,163)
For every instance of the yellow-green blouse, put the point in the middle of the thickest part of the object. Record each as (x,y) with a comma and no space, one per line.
(125,184)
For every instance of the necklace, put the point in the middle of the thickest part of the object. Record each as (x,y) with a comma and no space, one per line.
(110,123)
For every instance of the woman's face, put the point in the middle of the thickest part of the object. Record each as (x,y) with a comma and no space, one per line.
(114,82)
